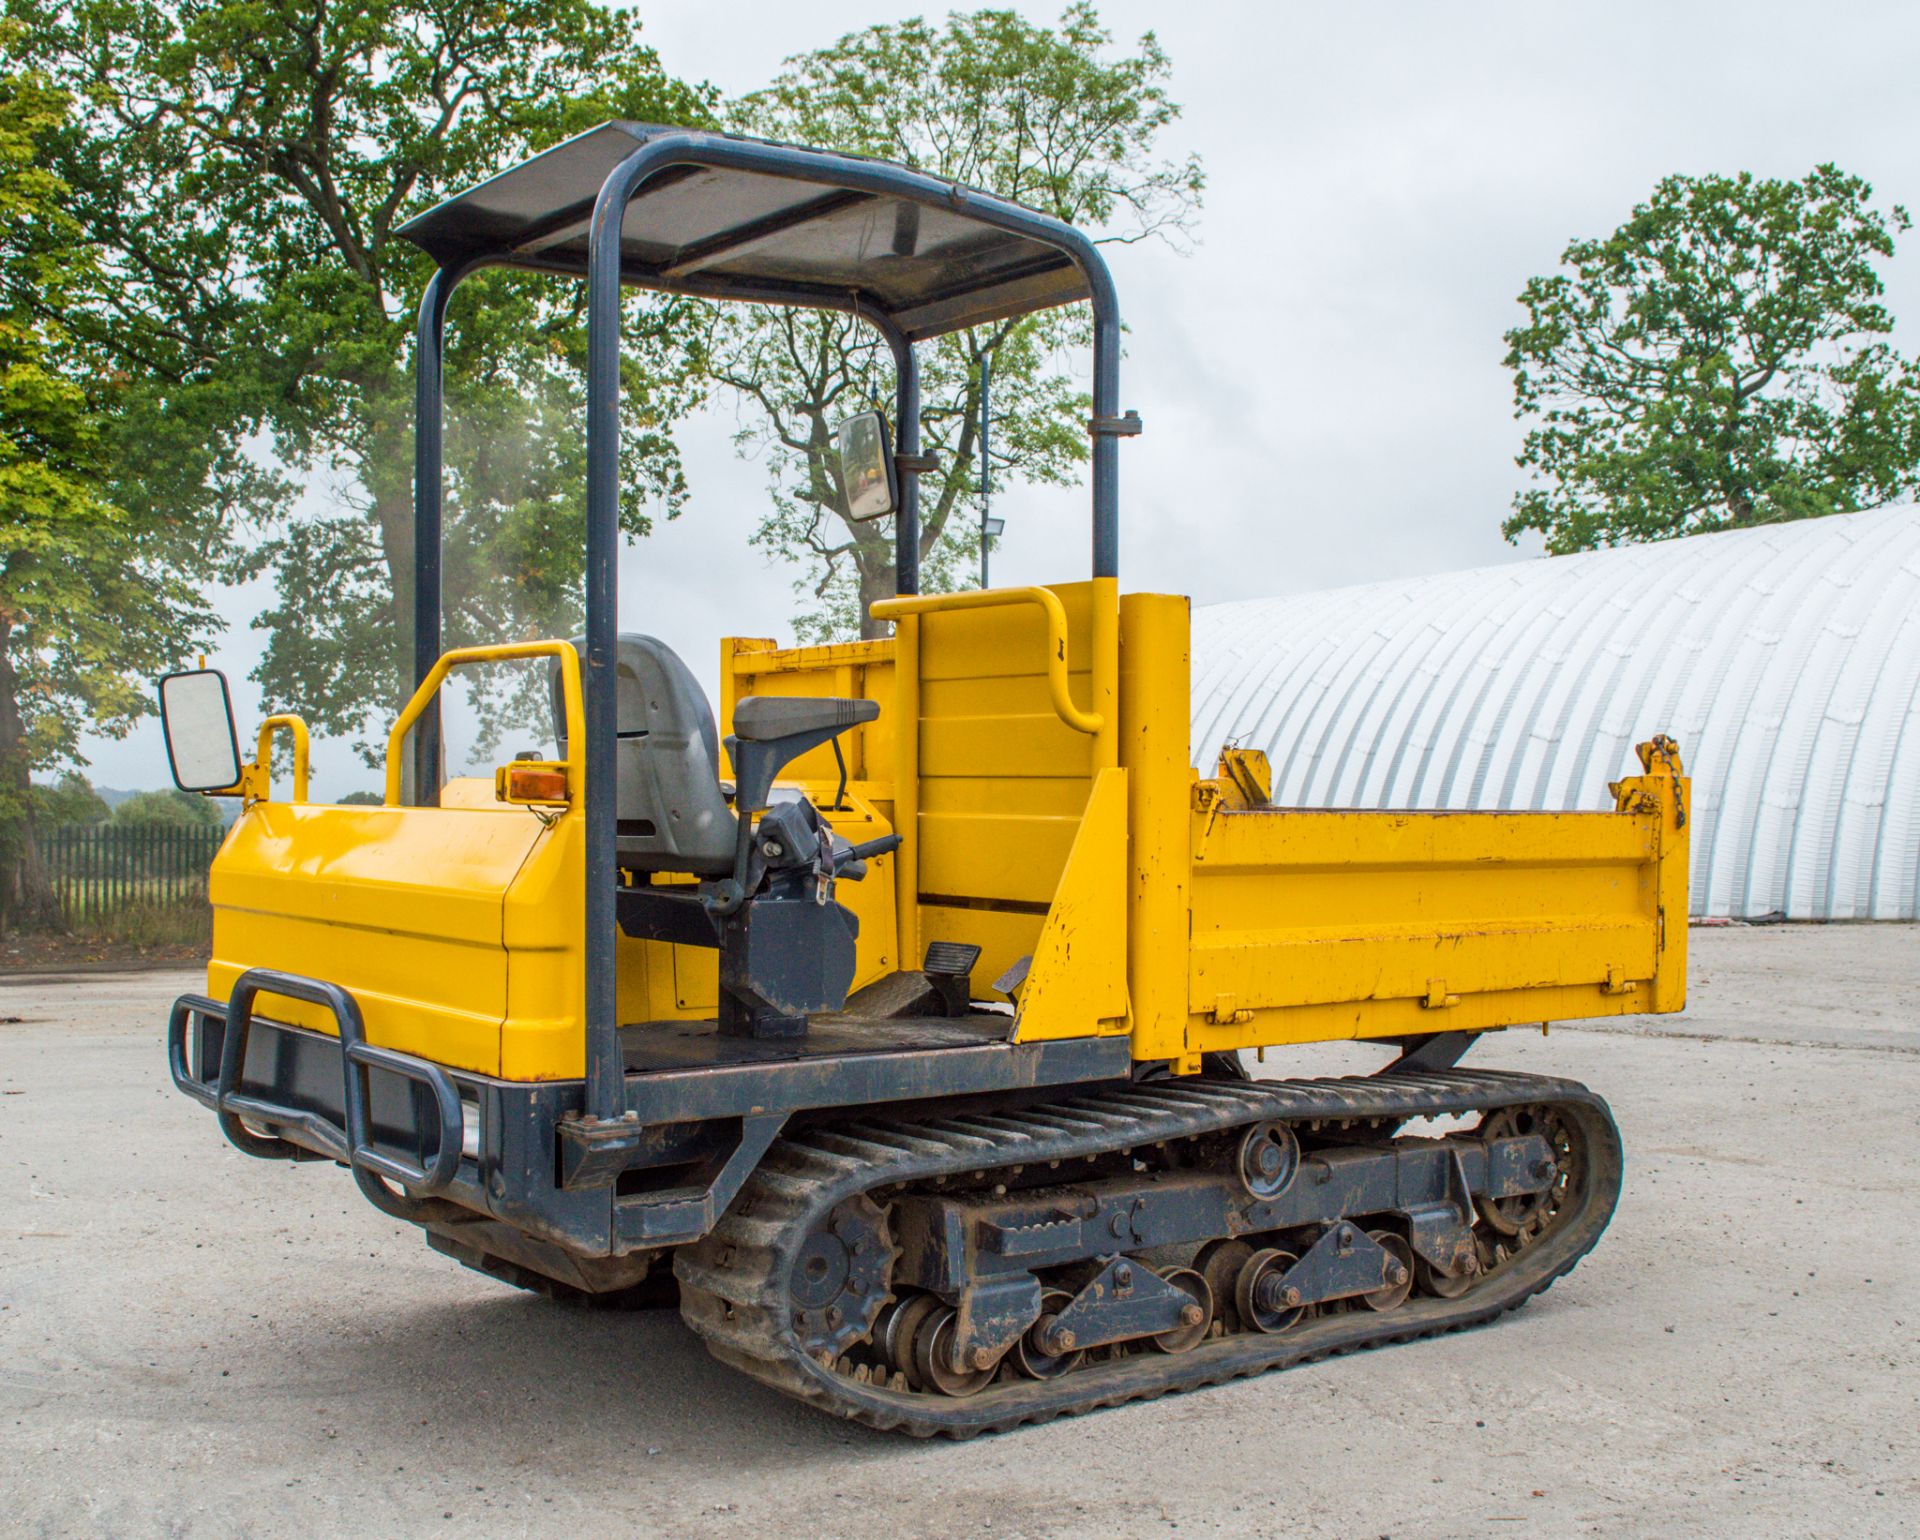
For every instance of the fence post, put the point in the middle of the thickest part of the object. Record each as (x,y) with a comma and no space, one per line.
(55,870)
(98,870)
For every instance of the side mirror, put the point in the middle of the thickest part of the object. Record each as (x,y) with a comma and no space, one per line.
(866,467)
(197,715)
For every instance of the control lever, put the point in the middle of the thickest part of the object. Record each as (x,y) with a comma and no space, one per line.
(851,863)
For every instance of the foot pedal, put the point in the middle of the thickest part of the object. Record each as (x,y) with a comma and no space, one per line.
(949,969)
(1009,982)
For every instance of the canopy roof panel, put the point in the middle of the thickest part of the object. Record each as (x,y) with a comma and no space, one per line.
(777,224)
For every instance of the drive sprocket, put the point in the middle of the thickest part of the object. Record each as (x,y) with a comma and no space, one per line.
(842,1277)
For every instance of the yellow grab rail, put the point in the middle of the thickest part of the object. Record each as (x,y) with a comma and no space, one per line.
(995,598)
(297,730)
(497,652)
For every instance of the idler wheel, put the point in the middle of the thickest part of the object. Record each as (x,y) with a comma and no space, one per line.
(1196,1318)
(1399,1272)
(1032,1359)
(1257,1292)
(1524,1212)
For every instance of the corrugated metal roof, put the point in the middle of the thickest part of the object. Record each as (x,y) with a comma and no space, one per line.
(1785,660)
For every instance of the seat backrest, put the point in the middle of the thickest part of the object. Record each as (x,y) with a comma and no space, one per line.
(671,813)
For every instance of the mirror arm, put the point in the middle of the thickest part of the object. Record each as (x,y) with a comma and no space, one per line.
(256,776)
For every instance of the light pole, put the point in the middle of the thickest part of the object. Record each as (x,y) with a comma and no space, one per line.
(989,525)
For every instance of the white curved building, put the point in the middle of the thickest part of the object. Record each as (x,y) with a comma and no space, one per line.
(1785,660)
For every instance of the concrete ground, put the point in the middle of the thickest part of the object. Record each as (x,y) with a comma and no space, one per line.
(193,1343)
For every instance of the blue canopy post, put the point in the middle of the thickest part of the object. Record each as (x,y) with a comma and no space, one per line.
(428,410)
(426,743)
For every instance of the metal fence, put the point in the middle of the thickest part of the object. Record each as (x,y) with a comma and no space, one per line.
(101,870)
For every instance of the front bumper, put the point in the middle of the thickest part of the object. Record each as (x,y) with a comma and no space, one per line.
(447,1148)
(424,1143)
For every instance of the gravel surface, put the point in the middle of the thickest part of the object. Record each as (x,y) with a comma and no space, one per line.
(194,1343)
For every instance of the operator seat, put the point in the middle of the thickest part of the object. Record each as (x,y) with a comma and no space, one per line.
(787,951)
(671,815)
(670,812)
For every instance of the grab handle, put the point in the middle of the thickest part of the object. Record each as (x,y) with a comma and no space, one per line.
(1045,599)
(296,729)
(497,652)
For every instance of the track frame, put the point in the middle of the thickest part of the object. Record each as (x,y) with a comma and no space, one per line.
(736,1285)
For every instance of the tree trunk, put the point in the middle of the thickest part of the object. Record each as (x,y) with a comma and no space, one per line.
(31,903)
(27,900)
(876,582)
(387,475)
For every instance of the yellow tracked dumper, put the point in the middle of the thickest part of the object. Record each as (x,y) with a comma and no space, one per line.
(897,1034)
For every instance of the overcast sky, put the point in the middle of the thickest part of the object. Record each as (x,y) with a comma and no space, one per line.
(1320,377)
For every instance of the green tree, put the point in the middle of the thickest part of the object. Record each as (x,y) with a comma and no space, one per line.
(168,809)
(1718,361)
(244,165)
(1049,117)
(68,801)
(92,601)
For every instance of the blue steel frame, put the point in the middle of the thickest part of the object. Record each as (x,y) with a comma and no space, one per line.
(606,1096)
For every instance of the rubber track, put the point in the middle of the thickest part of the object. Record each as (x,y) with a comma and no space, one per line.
(735,1283)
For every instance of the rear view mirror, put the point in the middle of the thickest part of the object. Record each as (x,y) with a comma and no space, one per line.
(197,716)
(866,467)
